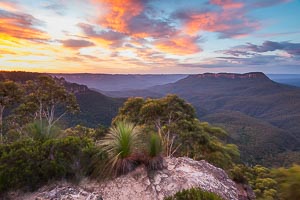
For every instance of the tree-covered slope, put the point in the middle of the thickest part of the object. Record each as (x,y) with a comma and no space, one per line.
(95,108)
(250,104)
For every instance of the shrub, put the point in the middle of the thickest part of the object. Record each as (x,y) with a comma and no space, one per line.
(194,194)
(237,173)
(154,159)
(288,180)
(21,165)
(120,144)
(27,164)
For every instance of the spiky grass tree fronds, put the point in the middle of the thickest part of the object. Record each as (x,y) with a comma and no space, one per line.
(120,145)
(155,145)
(155,148)
(38,131)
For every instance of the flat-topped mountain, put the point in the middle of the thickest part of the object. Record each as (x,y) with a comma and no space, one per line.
(251,75)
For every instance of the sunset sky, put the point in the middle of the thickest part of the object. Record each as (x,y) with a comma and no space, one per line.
(150,36)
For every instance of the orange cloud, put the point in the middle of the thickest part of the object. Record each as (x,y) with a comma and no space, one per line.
(20,26)
(119,13)
(229,23)
(129,17)
(203,21)
(227,4)
(179,45)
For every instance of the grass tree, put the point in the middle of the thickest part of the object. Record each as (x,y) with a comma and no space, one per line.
(121,144)
(154,158)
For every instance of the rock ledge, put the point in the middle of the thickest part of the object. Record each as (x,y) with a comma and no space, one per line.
(180,173)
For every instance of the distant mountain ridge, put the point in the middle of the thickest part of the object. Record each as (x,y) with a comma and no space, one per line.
(111,82)
(121,82)
(289,79)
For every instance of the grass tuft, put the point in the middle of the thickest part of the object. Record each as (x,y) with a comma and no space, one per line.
(155,159)
(120,145)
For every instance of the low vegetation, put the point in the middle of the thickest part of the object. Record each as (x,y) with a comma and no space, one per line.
(29,163)
(194,194)
(271,184)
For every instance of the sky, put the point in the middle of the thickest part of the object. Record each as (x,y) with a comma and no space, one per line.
(150,36)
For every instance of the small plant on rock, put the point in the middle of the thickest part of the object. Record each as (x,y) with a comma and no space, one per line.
(154,159)
(194,194)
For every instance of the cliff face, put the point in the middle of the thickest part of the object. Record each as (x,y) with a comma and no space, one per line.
(251,75)
(179,174)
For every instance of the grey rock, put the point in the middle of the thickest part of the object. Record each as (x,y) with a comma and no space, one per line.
(180,173)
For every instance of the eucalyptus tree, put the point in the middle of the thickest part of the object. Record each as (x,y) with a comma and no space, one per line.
(181,133)
(10,94)
(52,100)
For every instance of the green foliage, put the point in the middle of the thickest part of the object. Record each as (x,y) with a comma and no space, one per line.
(288,180)
(39,131)
(259,178)
(10,94)
(52,99)
(130,110)
(181,133)
(194,194)
(82,131)
(120,144)
(154,160)
(155,146)
(29,163)
(237,173)
(275,184)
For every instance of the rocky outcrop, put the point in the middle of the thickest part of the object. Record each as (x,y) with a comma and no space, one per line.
(180,173)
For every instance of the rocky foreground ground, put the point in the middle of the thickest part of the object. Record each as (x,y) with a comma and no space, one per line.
(180,173)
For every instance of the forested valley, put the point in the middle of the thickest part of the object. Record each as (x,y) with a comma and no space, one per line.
(46,136)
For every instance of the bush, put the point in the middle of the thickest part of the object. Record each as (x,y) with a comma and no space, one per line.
(237,173)
(194,194)
(27,164)
(288,180)
(154,158)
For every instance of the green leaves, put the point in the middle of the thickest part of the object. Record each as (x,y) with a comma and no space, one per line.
(194,194)
(10,94)
(155,145)
(28,163)
(288,180)
(182,134)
